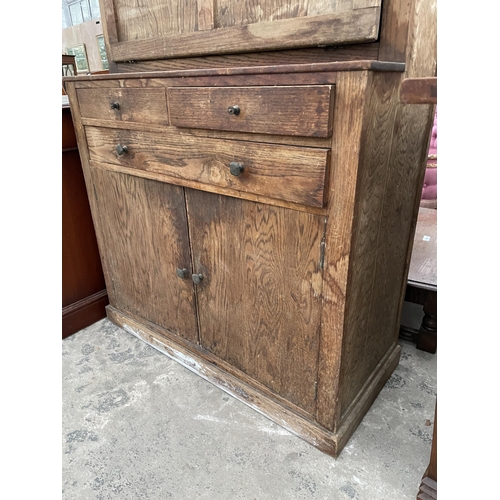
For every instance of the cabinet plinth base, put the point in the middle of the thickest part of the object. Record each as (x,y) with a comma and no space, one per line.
(328,442)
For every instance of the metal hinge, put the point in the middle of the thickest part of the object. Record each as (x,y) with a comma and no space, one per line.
(322,247)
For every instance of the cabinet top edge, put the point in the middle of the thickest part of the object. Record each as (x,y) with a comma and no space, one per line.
(368,65)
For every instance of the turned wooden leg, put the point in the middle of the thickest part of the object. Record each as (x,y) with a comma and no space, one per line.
(427,335)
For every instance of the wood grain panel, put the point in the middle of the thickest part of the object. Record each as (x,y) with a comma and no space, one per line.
(230,13)
(135,105)
(157,18)
(312,142)
(423,266)
(302,111)
(364,51)
(294,174)
(394,28)
(421,52)
(362,352)
(419,91)
(392,160)
(349,103)
(260,299)
(352,26)
(144,228)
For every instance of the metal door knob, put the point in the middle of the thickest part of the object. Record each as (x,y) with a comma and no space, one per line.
(197,278)
(115,105)
(182,273)
(121,149)
(233,110)
(236,168)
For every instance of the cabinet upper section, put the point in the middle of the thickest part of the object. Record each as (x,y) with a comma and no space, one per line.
(157,29)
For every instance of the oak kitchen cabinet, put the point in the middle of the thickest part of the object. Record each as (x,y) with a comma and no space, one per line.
(255,222)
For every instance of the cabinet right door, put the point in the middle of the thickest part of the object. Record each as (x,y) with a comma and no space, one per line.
(259,302)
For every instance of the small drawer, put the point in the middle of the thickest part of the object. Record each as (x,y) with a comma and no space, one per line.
(290,173)
(299,111)
(128,105)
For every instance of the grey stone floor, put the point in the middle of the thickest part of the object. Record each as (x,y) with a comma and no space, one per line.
(137,425)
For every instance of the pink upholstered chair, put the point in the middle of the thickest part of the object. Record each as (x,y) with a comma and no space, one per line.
(429,189)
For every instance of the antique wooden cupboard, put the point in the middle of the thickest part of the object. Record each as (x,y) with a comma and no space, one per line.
(254,184)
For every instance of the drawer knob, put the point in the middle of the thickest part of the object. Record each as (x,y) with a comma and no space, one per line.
(115,105)
(197,278)
(236,168)
(233,110)
(182,273)
(121,149)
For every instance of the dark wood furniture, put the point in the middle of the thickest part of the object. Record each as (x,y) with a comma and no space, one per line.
(84,295)
(68,60)
(255,197)
(421,287)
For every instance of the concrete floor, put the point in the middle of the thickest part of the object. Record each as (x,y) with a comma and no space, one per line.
(137,425)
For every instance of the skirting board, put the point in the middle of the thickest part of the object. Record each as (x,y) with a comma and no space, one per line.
(84,313)
(319,437)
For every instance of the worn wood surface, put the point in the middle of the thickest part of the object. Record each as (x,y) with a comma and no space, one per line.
(394,148)
(230,13)
(241,387)
(421,50)
(310,142)
(259,303)
(132,79)
(423,264)
(295,174)
(355,52)
(304,111)
(419,91)
(244,389)
(349,104)
(394,29)
(136,105)
(348,27)
(370,267)
(144,229)
(157,30)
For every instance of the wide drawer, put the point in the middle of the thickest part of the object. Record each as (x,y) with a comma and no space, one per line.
(298,110)
(290,173)
(124,105)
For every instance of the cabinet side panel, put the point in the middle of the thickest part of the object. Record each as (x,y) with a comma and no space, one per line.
(392,159)
(260,299)
(145,233)
(157,18)
(349,103)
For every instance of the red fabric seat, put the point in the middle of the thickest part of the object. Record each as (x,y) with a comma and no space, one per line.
(429,188)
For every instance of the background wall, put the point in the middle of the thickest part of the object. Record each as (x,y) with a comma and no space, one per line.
(85,33)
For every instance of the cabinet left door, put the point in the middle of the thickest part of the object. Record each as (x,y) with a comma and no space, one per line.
(145,248)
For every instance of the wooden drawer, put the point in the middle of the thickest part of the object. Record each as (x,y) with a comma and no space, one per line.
(134,105)
(300,110)
(290,173)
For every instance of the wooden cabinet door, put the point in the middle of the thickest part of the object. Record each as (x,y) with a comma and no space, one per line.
(145,239)
(259,302)
(157,29)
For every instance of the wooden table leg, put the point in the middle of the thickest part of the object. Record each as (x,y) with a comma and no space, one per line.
(427,335)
